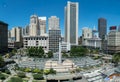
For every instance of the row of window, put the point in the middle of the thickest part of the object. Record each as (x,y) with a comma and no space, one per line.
(34,46)
(35,38)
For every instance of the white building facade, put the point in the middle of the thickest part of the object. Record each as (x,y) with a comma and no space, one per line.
(42,25)
(53,22)
(86,34)
(65,47)
(36,41)
(113,41)
(34,25)
(37,25)
(90,38)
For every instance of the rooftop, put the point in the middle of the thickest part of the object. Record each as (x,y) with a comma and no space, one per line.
(1,22)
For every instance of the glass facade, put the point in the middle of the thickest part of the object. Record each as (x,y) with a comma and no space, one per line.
(73,23)
(3,37)
(102,27)
(54,36)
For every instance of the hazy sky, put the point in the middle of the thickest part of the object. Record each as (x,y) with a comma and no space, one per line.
(18,12)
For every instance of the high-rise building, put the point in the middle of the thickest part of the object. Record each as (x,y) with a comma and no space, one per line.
(54,36)
(113,40)
(3,37)
(102,27)
(53,22)
(42,25)
(54,33)
(9,34)
(13,34)
(119,28)
(25,31)
(15,40)
(37,25)
(71,22)
(34,26)
(16,34)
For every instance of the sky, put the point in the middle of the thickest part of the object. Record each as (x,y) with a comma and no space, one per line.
(18,12)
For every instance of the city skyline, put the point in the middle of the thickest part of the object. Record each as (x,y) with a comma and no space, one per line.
(18,14)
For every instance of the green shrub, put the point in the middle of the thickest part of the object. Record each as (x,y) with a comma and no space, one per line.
(36,70)
(21,74)
(38,76)
(16,79)
(2,76)
(27,69)
(52,71)
(21,69)
(7,71)
(46,72)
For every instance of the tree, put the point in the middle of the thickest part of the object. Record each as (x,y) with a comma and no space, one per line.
(35,52)
(116,58)
(52,71)
(40,52)
(64,55)
(78,51)
(2,63)
(13,52)
(50,54)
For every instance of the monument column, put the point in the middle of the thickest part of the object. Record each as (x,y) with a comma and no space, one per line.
(60,56)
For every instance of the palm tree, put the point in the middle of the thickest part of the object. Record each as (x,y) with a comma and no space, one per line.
(116,58)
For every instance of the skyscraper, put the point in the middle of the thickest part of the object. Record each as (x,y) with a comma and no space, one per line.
(54,33)
(15,38)
(25,31)
(71,22)
(37,25)
(42,25)
(13,34)
(34,25)
(102,27)
(9,34)
(113,44)
(16,34)
(53,22)
(3,37)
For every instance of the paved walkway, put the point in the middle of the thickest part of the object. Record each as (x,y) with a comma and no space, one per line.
(31,77)
(6,80)
(12,74)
